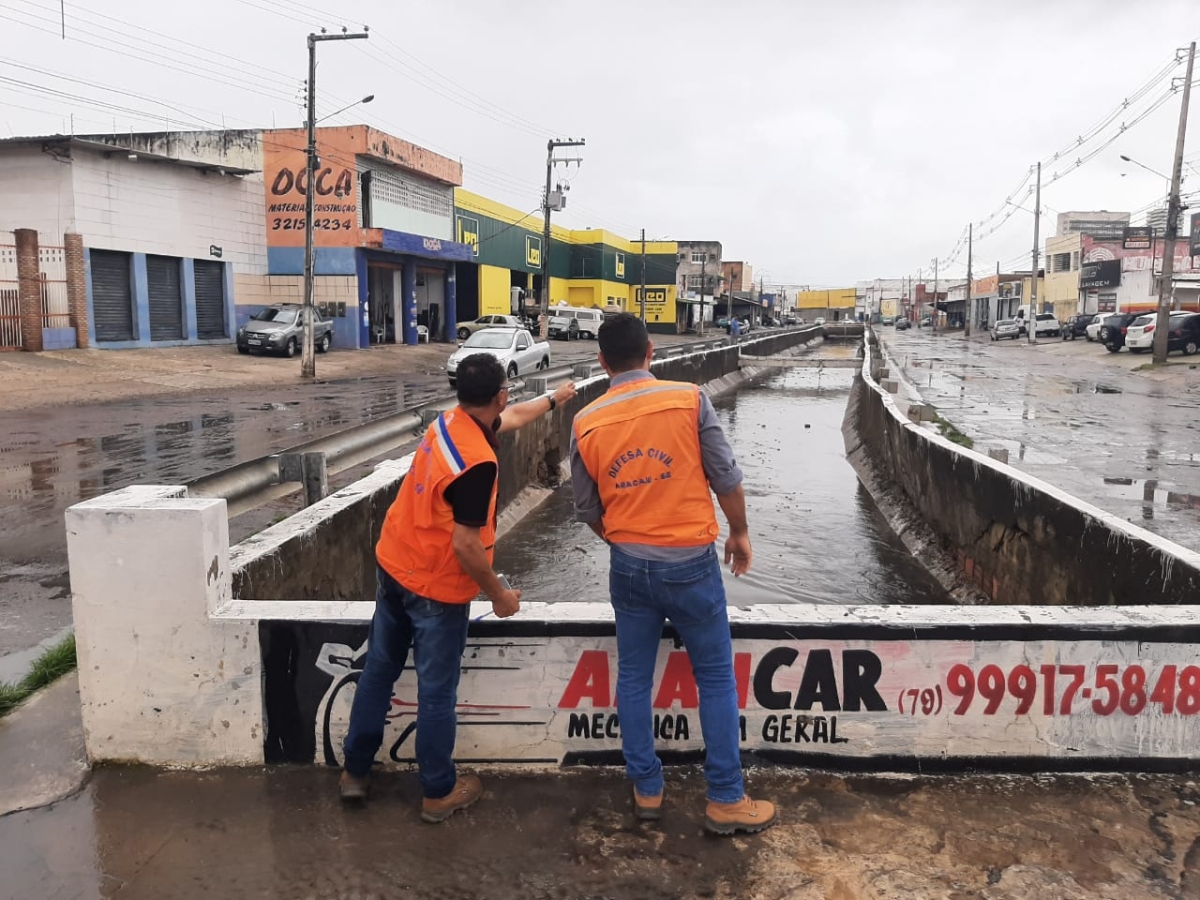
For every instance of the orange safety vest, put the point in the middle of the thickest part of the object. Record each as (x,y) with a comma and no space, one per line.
(640,443)
(416,544)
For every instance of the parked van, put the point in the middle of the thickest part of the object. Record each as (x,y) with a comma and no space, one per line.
(589,319)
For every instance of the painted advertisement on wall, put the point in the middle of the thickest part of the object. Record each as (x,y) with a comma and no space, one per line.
(660,303)
(335,205)
(960,698)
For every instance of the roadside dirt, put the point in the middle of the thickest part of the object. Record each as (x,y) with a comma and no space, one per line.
(281,833)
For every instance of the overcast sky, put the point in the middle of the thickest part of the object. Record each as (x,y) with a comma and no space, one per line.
(822,142)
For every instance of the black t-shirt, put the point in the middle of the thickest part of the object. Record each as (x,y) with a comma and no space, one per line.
(470,494)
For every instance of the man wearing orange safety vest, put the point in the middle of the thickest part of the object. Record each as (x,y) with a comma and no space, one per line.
(435,556)
(643,459)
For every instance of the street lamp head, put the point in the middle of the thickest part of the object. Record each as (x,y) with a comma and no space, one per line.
(1126,158)
(368,98)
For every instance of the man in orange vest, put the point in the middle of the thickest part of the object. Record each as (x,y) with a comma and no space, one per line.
(643,459)
(435,556)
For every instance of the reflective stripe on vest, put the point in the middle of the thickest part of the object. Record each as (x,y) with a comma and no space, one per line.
(416,543)
(641,445)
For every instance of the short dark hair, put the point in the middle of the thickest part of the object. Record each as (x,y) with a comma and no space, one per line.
(479,379)
(624,342)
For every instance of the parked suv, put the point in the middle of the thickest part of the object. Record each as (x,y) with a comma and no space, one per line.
(280,329)
(1112,332)
(1185,335)
(1077,326)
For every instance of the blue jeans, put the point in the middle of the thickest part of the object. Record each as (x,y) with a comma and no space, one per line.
(437,633)
(691,594)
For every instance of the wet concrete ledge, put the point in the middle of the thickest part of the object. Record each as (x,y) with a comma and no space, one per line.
(1018,539)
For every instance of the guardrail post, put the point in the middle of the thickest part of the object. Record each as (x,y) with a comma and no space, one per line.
(584,370)
(310,469)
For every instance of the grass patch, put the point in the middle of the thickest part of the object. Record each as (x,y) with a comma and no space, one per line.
(950,433)
(47,668)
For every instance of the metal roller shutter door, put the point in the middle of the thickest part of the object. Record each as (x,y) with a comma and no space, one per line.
(166,300)
(210,299)
(112,300)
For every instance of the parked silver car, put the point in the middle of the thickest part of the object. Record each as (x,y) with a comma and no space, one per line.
(280,329)
(1006,328)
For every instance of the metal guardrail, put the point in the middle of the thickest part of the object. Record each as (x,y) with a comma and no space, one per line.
(310,464)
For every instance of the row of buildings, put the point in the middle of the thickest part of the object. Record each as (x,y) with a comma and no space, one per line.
(1095,262)
(155,239)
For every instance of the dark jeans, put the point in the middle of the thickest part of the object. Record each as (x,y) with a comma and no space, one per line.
(437,633)
(692,596)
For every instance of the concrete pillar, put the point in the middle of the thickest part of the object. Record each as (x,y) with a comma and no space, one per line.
(408,301)
(29,288)
(450,319)
(140,288)
(187,287)
(76,262)
(161,680)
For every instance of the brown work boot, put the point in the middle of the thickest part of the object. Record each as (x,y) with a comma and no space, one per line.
(467,789)
(648,809)
(745,815)
(353,790)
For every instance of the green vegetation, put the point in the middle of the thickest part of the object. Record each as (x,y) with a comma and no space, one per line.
(47,668)
(950,433)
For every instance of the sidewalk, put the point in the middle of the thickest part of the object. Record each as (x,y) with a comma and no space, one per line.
(30,380)
(1109,428)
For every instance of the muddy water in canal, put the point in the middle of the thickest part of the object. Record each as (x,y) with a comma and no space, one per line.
(818,536)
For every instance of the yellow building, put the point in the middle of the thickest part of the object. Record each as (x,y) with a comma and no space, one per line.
(1062,276)
(833,304)
(588,268)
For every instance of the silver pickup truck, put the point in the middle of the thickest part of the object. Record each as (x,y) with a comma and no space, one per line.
(516,349)
(280,329)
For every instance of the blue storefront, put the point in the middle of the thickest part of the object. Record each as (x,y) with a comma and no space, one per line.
(396,288)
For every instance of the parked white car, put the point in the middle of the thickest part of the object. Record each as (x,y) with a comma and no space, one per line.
(1093,330)
(1045,325)
(516,349)
(465,329)
(1139,334)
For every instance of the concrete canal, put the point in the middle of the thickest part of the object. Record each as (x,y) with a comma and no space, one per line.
(818,536)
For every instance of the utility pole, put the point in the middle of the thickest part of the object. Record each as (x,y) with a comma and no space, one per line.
(970,250)
(703,278)
(934,317)
(643,275)
(1166,287)
(551,145)
(308,356)
(1037,221)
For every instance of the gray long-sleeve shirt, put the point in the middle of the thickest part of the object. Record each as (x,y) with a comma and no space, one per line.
(720,468)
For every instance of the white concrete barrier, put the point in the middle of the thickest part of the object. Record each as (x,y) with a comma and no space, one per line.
(175,672)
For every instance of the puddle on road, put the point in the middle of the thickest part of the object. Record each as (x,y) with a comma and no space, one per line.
(818,536)
(1152,493)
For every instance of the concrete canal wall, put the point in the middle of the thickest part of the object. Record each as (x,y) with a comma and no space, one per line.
(178,669)
(1019,539)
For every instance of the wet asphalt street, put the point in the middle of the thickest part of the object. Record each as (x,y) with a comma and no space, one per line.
(53,457)
(1075,416)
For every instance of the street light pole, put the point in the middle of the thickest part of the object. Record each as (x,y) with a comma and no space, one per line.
(1166,287)
(1037,221)
(970,252)
(551,145)
(643,268)
(308,357)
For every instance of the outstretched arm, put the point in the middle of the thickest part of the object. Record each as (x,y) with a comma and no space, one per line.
(521,414)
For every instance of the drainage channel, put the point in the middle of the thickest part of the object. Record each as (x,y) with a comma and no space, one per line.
(818,536)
